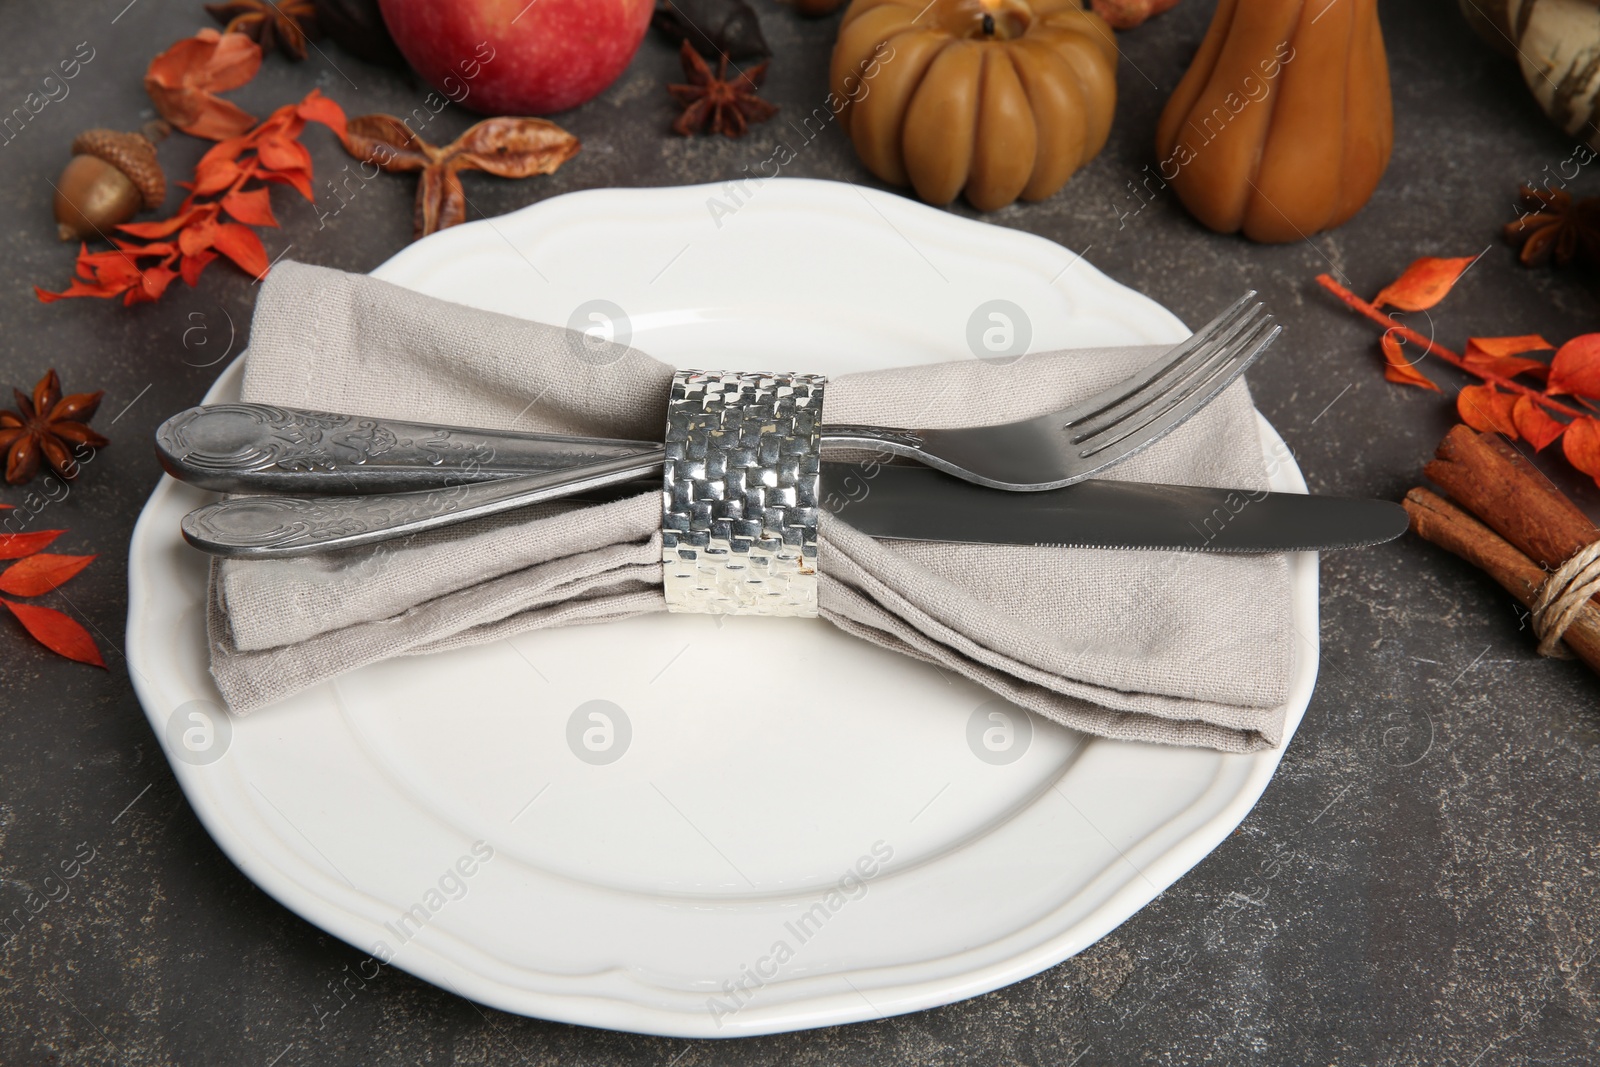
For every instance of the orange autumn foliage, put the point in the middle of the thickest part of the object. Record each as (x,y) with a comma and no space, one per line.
(1424,283)
(36,575)
(1537,428)
(39,574)
(1504,355)
(1397,368)
(1486,409)
(183,82)
(1581,445)
(18,545)
(61,634)
(229,195)
(1576,368)
(1502,404)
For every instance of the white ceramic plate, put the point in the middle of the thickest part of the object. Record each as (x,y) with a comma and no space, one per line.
(697,884)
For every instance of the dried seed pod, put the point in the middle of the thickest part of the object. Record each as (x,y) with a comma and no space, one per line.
(112,176)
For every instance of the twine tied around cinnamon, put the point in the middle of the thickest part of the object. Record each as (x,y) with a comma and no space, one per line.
(1562,596)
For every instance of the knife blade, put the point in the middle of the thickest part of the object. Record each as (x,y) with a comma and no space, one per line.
(916,503)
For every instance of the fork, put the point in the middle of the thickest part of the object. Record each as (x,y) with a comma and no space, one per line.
(1062,447)
(258,447)
(1071,445)
(1046,452)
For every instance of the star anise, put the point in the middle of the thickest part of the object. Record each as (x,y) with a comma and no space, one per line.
(716,103)
(505,147)
(47,425)
(284,24)
(1554,226)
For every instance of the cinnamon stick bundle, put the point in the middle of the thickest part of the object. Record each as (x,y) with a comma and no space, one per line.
(1520,527)
(1485,475)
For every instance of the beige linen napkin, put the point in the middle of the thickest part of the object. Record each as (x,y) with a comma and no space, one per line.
(1178,648)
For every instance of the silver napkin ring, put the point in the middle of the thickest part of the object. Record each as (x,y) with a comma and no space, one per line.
(739,496)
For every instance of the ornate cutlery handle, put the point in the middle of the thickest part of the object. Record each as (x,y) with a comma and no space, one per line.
(261,447)
(269,527)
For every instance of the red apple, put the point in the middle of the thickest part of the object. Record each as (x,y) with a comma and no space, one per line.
(518,57)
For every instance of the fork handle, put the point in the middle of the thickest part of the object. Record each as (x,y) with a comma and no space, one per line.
(877,438)
(267,448)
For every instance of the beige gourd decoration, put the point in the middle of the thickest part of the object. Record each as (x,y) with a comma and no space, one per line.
(1282,125)
(1557,45)
(993,99)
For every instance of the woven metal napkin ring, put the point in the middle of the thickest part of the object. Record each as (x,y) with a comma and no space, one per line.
(739,496)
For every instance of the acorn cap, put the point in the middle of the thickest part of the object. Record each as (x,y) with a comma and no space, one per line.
(132,154)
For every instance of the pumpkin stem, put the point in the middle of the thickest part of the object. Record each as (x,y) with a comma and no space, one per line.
(988,24)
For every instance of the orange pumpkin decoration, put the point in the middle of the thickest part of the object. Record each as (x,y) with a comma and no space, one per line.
(1282,126)
(992,98)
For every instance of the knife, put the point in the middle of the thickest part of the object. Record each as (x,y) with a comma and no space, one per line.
(919,504)
(889,501)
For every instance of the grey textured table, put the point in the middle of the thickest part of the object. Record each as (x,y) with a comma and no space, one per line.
(1417,886)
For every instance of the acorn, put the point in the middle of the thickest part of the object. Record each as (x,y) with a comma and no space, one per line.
(112,176)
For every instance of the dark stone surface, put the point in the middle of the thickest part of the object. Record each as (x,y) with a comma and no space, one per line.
(1417,886)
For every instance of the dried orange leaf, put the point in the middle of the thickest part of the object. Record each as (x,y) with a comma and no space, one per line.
(252,206)
(183,81)
(59,633)
(318,108)
(1504,355)
(201,231)
(299,179)
(1576,368)
(152,283)
(1487,410)
(1508,346)
(1426,282)
(38,574)
(165,227)
(240,244)
(1397,368)
(215,173)
(283,152)
(1581,443)
(216,62)
(1534,424)
(1486,354)
(191,266)
(18,545)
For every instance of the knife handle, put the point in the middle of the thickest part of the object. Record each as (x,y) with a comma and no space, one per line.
(267,448)
(272,527)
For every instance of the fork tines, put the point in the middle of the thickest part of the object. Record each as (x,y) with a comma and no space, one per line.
(1177,385)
